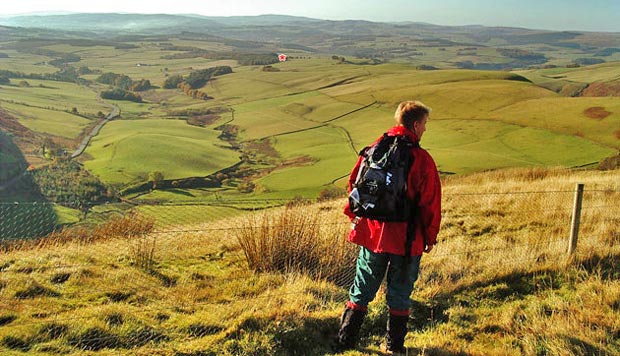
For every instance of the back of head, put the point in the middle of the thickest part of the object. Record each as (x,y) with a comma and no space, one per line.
(411,111)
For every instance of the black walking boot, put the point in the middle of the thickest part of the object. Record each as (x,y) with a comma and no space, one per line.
(395,337)
(350,325)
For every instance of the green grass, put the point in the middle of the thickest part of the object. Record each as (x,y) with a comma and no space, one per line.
(587,74)
(167,217)
(54,95)
(26,63)
(319,145)
(128,150)
(125,61)
(52,122)
(566,116)
(67,215)
(264,118)
(248,84)
(466,146)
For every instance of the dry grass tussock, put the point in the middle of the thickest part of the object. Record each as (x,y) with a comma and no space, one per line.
(298,238)
(271,283)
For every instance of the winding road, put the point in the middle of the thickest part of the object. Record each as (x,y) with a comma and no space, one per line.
(116,112)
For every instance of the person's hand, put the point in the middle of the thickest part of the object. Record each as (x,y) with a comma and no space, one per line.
(428,248)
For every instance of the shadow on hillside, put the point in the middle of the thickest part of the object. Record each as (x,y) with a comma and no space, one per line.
(314,335)
(503,288)
(180,192)
(507,287)
(24,211)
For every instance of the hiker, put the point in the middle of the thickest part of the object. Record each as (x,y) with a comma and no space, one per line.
(384,244)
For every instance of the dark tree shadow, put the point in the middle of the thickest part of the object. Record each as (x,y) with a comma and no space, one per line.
(180,192)
(24,211)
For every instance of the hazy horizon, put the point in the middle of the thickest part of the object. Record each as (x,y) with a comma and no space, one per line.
(554,15)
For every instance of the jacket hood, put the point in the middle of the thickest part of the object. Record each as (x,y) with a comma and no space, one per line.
(403,131)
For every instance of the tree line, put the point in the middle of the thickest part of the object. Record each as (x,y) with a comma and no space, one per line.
(66,74)
(123,87)
(191,84)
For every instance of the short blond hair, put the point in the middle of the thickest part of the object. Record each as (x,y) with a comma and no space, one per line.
(411,111)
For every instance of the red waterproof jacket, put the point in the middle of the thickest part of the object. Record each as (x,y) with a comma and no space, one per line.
(424,187)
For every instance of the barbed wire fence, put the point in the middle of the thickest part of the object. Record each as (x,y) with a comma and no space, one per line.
(144,264)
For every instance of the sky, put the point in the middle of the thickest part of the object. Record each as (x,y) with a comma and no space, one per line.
(581,15)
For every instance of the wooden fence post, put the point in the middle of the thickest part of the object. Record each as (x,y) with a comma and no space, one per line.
(574,226)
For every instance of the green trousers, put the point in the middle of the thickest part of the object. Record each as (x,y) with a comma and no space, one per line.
(370,270)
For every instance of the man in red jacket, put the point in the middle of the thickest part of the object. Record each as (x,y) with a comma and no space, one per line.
(384,244)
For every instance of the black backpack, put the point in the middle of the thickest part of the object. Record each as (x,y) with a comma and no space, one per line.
(380,189)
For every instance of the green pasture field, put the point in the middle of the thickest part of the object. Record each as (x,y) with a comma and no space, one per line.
(468,99)
(567,116)
(467,146)
(168,216)
(176,195)
(588,74)
(481,55)
(391,86)
(145,62)
(58,123)
(127,150)
(387,75)
(131,110)
(25,62)
(228,197)
(366,125)
(54,95)
(67,215)
(128,109)
(326,146)
(250,83)
(264,118)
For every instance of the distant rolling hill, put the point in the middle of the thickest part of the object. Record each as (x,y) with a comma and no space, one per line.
(109,22)
(308,30)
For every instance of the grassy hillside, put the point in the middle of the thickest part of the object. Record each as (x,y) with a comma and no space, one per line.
(575,81)
(295,102)
(595,119)
(26,62)
(57,123)
(586,74)
(497,283)
(53,95)
(126,150)
(459,145)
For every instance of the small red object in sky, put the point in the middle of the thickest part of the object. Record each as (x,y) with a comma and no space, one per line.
(282,57)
